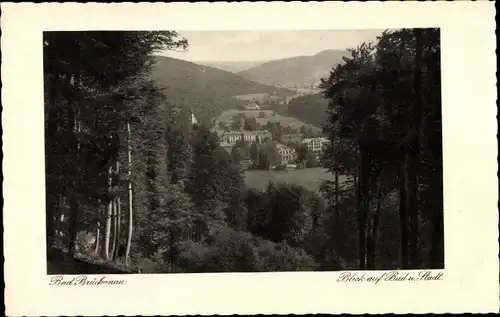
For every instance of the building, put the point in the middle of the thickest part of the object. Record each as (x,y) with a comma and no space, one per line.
(315,144)
(249,136)
(286,155)
(252,106)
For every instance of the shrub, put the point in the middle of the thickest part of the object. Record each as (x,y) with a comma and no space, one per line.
(231,251)
(282,257)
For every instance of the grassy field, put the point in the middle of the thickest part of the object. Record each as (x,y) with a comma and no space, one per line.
(227,116)
(310,178)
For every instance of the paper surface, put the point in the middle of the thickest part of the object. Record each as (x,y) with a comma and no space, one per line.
(470,278)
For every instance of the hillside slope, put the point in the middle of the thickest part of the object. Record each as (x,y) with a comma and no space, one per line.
(185,75)
(305,71)
(233,67)
(205,90)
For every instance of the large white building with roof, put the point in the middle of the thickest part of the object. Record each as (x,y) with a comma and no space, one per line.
(315,144)
(287,155)
(249,136)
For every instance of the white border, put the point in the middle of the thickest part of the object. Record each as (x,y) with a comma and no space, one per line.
(470,183)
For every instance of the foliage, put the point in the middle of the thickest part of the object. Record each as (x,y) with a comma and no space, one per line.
(384,118)
(251,124)
(96,82)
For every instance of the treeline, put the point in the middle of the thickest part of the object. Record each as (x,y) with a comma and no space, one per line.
(384,123)
(104,121)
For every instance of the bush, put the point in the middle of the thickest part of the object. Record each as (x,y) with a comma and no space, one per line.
(231,251)
(193,257)
(282,257)
(225,250)
(152,266)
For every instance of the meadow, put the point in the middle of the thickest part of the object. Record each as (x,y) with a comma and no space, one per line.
(310,178)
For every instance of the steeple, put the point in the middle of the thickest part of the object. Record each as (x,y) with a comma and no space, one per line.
(193,118)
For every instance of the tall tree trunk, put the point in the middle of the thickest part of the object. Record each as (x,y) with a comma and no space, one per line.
(72,228)
(50,220)
(51,135)
(75,147)
(403,221)
(414,154)
(98,232)
(363,206)
(436,256)
(172,250)
(109,211)
(359,220)
(372,240)
(130,198)
(336,143)
(116,245)
(114,228)
(118,227)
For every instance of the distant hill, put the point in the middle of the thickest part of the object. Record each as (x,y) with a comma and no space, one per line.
(232,67)
(304,71)
(205,90)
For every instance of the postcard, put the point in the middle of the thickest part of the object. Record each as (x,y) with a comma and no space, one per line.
(250,158)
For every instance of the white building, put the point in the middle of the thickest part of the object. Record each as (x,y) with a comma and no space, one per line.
(315,144)
(287,155)
(249,136)
(252,106)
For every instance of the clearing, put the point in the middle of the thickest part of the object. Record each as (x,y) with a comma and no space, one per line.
(310,178)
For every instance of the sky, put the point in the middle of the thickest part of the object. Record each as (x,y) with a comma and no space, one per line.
(266,45)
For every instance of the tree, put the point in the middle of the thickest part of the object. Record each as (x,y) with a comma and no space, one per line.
(87,75)
(254,153)
(214,183)
(238,121)
(251,124)
(264,161)
(311,160)
(302,151)
(378,98)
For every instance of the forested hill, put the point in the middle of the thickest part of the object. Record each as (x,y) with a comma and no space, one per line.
(300,70)
(309,109)
(205,90)
(186,75)
(233,67)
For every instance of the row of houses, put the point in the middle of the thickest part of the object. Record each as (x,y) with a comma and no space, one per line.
(249,136)
(287,155)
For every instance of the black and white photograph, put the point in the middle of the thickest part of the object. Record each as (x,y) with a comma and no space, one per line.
(243,151)
(249,158)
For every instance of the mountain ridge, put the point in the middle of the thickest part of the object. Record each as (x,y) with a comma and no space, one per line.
(298,71)
(231,66)
(205,90)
